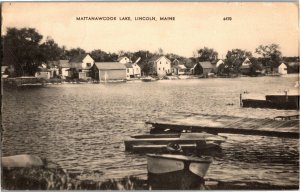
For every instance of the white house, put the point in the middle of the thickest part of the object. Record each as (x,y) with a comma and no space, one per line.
(133,70)
(129,70)
(282,69)
(65,67)
(161,65)
(220,62)
(245,67)
(82,65)
(124,60)
(136,70)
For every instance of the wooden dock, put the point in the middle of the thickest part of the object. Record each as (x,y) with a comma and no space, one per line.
(227,124)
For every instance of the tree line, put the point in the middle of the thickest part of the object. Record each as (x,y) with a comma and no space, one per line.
(23,48)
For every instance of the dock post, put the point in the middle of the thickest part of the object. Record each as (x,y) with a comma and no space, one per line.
(241,101)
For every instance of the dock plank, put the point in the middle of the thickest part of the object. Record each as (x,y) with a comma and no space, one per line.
(229,124)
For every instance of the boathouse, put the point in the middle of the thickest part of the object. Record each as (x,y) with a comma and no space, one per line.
(161,65)
(108,71)
(282,69)
(203,68)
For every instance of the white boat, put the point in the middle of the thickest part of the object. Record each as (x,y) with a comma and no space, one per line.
(168,171)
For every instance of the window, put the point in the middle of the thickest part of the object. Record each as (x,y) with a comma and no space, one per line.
(88,64)
(160,62)
(159,69)
(127,70)
(163,68)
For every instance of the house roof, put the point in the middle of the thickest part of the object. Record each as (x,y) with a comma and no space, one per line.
(120,58)
(41,69)
(109,65)
(282,65)
(157,57)
(78,58)
(206,65)
(128,65)
(64,64)
(180,67)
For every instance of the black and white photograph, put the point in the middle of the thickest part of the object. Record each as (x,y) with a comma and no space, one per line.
(149,96)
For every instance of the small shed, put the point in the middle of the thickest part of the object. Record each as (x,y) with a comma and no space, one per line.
(282,69)
(179,70)
(43,73)
(109,71)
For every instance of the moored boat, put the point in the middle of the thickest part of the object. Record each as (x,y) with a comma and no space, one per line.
(148,79)
(159,142)
(168,171)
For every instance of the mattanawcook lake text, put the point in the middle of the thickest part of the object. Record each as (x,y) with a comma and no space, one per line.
(167,18)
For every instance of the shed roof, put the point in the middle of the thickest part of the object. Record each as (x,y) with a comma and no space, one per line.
(206,65)
(180,67)
(64,64)
(109,65)
(128,65)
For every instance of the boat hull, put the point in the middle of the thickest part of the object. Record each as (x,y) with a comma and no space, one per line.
(285,105)
(175,172)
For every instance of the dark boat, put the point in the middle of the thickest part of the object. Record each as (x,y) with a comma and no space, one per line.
(168,171)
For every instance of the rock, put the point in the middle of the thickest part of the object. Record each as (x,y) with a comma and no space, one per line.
(22,161)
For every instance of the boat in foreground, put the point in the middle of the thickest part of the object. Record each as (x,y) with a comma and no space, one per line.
(170,171)
(158,143)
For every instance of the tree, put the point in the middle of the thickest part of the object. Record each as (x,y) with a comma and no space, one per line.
(51,50)
(101,56)
(271,55)
(21,49)
(235,58)
(74,52)
(145,56)
(206,54)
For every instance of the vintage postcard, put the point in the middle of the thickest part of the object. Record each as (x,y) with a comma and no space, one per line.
(150,95)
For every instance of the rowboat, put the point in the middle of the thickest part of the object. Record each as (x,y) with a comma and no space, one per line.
(148,79)
(159,142)
(168,171)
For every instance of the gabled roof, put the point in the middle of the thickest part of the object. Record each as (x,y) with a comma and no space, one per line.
(282,65)
(109,65)
(122,57)
(3,68)
(157,57)
(128,65)
(206,65)
(78,58)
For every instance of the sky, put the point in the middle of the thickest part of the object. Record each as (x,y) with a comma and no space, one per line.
(196,25)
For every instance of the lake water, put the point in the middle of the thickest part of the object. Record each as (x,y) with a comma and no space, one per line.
(82,126)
